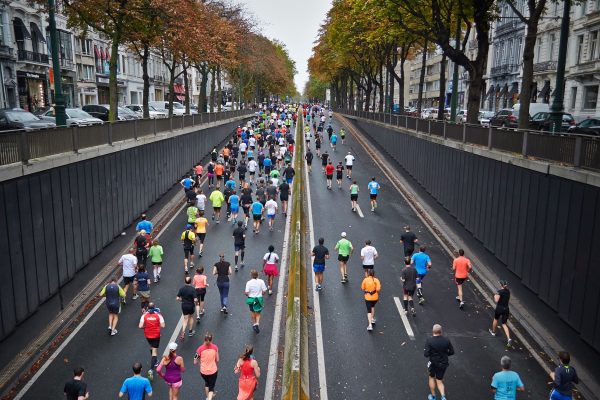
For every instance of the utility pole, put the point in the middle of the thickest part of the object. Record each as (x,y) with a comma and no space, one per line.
(556,110)
(454,98)
(59,101)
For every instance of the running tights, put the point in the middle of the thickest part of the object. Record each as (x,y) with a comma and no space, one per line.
(224,292)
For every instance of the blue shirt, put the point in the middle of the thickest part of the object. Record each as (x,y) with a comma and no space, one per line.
(373,187)
(334,138)
(144,225)
(506,384)
(135,387)
(267,162)
(187,183)
(230,184)
(421,260)
(250,154)
(257,208)
(234,200)
(142,281)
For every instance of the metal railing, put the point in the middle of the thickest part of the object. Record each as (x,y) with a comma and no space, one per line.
(21,146)
(576,150)
(26,55)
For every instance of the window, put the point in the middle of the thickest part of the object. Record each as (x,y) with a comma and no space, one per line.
(2,38)
(84,46)
(573,97)
(579,48)
(538,50)
(518,53)
(551,47)
(590,97)
(593,45)
(597,5)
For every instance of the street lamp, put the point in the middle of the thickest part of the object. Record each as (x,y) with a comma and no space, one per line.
(556,110)
(59,101)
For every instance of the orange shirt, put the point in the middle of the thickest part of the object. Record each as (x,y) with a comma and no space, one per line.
(370,284)
(201,223)
(226,152)
(219,168)
(200,281)
(461,266)
(209,357)
(199,169)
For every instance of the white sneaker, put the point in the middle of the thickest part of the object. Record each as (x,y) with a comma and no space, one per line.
(114,332)
(370,328)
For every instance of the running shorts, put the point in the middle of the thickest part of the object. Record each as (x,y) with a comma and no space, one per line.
(283,197)
(210,381)
(318,267)
(501,315)
(238,247)
(343,258)
(370,304)
(349,167)
(235,210)
(188,251)
(127,280)
(339,175)
(271,216)
(200,293)
(353,197)
(113,308)
(201,237)
(460,281)
(373,196)
(154,342)
(216,209)
(436,371)
(367,267)
(408,292)
(329,177)
(257,217)
(219,177)
(187,309)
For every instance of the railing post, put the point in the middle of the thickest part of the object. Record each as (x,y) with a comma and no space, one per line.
(429,127)
(24,147)
(525,143)
(135,129)
(182,121)
(110,134)
(154,127)
(444,130)
(406,122)
(490,137)
(417,124)
(193,120)
(578,151)
(171,124)
(464,133)
(75,136)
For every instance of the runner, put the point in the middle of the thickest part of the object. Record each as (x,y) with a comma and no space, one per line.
(343,135)
(284,194)
(373,187)
(307,136)
(288,173)
(216,199)
(201,223)
(422,263)
(324,160)
(329,130)
(186,183)
(210,173)
(249,372)
(408,240)
(275,177)
(267,165)
(246,201)
(270,261)
(461,267)
(354,189)
(257,214)
(320,254)
(329,174)
(192,213)
(437,349)
(339,174)
(349,163)
(371,288)
(200,285)
(189,239)
(252,167)
(368,255)
(255,289)
(207,355)
(563,378)
(136,387)
(129,263)
(234,206)
(271,210)
(141,243)
(200,200)
(155,253)
(76,388)
(114,294)
(502,311)
(344,249)
(318,144)
(409,284)
(151,322)
(506,383)
(187,296)
(333,139)
(174,367)
(144,225)
(222,270)
(309,158)
(142,281)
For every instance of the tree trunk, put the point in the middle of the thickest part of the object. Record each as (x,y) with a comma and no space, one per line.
(146,78)
(381,87)
(351,95)
(212,89)
(401,84)
(527,80)
(171,90)
(186,85)
(202,70)
(422,78)
(219,92)
(113,93)
(391,85)
(442,100)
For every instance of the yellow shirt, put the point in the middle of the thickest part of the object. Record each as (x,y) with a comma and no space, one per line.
(201,223)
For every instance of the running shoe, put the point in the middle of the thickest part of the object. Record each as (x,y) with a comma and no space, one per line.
(155,280)
(224,310)
(202,312)
(491,332)
(270,292)
(413,312)
(242,266)
(236,268)
(509,343)
(135,297)
(198,319)
(431,397)
(150,375)
(109,330)
(370,328)
(461,305)
(373,321)
(218,221)
(457,298)
(256,328)
(422,300)
(114,332)
(373,209)
(200,254)
(191,333)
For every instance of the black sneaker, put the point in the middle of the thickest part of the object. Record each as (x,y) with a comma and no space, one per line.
(224,310)
(256,328)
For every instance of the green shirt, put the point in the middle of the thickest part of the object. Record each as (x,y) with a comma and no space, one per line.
(353,189)
(155,254)
(344,247)
(275,174)
(217,199)
(191,213)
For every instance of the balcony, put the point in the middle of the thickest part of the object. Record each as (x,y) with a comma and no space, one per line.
(585,70)
(30,56)
(504,69)
(6,51)
(545,66)
(159,78)
(66,63)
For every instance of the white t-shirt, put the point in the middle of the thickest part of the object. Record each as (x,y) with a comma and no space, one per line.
(252,166)
(281,141)
(252,141)
(243,147)
(349,159)
(201,201)
(368,253)
(271,258)
(307,135)
(274,181)
(129,262)
(271,207)
(282,150)
(255,287)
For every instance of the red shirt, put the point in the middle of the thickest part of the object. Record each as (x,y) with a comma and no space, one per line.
(152,323)
(329,169)
(461,266)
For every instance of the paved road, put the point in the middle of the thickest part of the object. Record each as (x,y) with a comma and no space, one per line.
(386,363)
(107,360)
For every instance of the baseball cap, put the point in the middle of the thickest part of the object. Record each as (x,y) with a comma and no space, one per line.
(343,234)
(188,226)
(503,282)
(172,346)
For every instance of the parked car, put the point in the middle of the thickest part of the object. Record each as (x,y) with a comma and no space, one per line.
(17,118)
(461,116)
(75,117)
(178,108)
(101,111)
(534,108)
(589,126)
(153,112)
(425,112)
(506,118)
(484,117)
(543,121)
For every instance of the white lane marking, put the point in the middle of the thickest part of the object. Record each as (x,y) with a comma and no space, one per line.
(173,337)
(273,350)
(407,326)
(359,211)
(316,302)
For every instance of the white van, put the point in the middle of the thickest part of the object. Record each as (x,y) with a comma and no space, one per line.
(534,108)
(178,108)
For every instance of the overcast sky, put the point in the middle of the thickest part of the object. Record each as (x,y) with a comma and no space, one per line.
(295,24)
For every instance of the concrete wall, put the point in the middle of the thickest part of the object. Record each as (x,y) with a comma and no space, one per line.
(53,222)
(544,228)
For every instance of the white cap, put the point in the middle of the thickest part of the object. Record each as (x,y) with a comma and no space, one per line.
(172,346)
(343,234)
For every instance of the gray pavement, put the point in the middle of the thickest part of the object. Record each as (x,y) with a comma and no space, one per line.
(386,363)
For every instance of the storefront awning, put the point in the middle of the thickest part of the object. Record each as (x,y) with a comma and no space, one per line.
(38,32)
(106,54)
(504,89)
(178,88)
(97,51)
(180,98)
(545,90)
(21,31)
(490,91)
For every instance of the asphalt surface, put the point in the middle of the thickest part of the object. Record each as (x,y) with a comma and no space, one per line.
(107,360)
(386,363)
